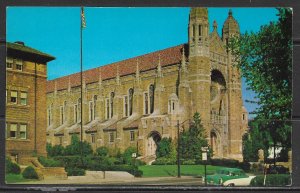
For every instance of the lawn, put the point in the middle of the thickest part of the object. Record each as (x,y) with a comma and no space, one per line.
(171,170)
(14,178)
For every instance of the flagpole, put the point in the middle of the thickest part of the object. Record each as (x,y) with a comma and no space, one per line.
(81,75)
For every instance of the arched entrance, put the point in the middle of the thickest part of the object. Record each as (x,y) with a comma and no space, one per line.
(153,139)
(214,144)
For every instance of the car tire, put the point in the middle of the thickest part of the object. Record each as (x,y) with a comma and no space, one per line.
(230,185)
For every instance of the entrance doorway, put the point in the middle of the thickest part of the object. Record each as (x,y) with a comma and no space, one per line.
(153,139)
(214,143)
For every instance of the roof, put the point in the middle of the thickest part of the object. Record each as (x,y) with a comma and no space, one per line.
(145,62)
(25,52)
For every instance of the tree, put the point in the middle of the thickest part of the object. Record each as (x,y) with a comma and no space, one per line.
(265,60)
(75,147)
(164,147)
(193,139)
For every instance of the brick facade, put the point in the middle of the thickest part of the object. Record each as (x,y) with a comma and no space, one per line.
(138,101)
(25,101)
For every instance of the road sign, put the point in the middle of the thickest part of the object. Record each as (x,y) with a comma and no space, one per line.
(133,155)
(204,156)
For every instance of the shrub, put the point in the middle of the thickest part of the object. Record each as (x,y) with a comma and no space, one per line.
(75,147)
(188,162)
(138,173)
(56,150)
(272,180)
(164,147)
(75,171)
(164,161)
(30,173)
(11,167)
(225,162)
(257,168)
(102,151)
(49,162)
(245,166)
(127,155)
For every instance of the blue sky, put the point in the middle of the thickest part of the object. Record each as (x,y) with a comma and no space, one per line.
(114,34)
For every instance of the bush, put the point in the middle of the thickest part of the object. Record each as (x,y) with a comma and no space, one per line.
(11,167)
(188,162)
(56,150)
(75,171)
(102,151)
(272,180)
(245,166)
(164,147)
(225,162)
(127,155)
(257,168)
(75,147)
(30,173)
(164,161)
(49,162)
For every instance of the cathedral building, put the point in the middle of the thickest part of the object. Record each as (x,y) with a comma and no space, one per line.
(138,101)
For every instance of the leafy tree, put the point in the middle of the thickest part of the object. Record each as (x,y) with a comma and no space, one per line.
(102,151)
(75,147)
(193,139)
(265,60)
(164,147)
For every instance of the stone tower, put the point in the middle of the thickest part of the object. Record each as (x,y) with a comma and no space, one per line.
(231,29)
(199,64)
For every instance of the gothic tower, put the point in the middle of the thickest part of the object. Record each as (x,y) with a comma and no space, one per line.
(235,131)
(199,64)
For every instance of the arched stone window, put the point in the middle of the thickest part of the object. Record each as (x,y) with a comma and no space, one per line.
(95,105)
(112,95)
(151,98)
(173,104)
(130,100)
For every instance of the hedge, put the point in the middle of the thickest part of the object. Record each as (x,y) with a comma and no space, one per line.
(272,180)
(30,173)
(11,167)
(75,171)
(49,162)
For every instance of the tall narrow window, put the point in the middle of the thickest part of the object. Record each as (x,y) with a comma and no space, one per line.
(107,108)
(200,30)
(130,100)
(79,109)
(13,131)
(91,110)
(125,106)
(60,140)
(95,106)
(193,30)
(111,137)
(13,97)
(23,98)
(9,63)
(132,137)
(112,95)
(23,131)
(61,115)
(151,98)
(75,113)
(146,104)
(19,65)
(49,116)
(93,138)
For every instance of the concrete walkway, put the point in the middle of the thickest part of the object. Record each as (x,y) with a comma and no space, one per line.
(120,178)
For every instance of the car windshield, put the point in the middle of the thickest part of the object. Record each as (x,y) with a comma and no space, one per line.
(223,172)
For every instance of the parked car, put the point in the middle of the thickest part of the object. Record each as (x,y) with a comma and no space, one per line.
(277,169)
(229,177)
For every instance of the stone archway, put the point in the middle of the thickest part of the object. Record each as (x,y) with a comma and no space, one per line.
(153,139)
(214,143)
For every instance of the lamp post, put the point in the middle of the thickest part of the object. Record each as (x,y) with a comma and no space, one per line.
(134,155)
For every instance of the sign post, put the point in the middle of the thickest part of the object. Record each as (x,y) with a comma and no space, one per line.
(204,158)
(133,155)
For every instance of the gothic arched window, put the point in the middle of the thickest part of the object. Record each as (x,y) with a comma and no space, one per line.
(112,95)
(95,105)
(130,100)
(151,97)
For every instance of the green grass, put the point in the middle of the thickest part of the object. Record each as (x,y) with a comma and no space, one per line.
(14,178)
(171,170)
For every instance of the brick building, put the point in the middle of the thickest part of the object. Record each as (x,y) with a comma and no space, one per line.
(138,101)
(26,73)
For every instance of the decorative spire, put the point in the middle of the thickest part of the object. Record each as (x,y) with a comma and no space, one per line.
(159,72)
(230,12)
(215,26)
(118,76)
(183,63)
(69,84)
(100,77)
(137,72)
